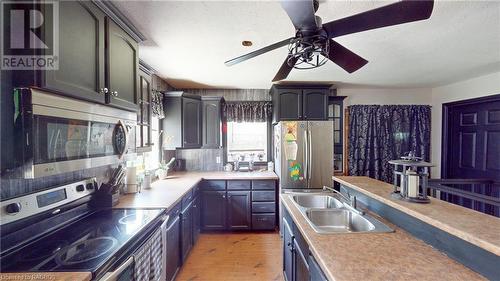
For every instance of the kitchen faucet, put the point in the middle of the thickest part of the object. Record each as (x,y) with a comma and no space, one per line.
(350,200)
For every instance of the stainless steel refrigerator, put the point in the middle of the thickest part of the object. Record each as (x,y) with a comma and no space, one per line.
(303,153)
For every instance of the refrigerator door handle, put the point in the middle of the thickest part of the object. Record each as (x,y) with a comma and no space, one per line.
(310,160)
(305,148)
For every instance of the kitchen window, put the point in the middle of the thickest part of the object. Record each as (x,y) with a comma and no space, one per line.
(247,140)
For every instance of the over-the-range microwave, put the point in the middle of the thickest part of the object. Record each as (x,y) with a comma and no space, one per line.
(55,134)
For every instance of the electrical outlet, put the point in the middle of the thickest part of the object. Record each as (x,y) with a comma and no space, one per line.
(217,159)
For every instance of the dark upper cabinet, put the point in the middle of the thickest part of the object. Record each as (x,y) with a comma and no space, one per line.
(290,104)
(191,119)
(212,121)
(122,65)
(173,249)
(307,102)
(315,104)
(239,210)
(182,127)
(97,60)
(143,133)
(81,53)
(186,231)
(287,251)
(214,210)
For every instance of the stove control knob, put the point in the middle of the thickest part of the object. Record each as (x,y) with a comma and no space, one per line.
(13,208)
(90,186)
(80,188)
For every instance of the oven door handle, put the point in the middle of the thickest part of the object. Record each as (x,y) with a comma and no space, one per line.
(113,275)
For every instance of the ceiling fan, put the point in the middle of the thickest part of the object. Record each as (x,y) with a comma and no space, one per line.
(312,44)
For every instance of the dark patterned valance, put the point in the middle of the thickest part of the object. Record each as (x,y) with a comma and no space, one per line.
(251,111)
(379,133)
(157,104)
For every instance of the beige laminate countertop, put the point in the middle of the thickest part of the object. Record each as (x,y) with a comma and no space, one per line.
(377,256)
(51,276)
(167,192)
(477,228)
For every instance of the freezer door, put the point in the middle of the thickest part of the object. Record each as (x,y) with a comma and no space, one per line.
(321,154)
(291,172)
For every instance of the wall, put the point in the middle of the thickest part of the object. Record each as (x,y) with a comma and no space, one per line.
(472,88)
(234,94)
(385,96)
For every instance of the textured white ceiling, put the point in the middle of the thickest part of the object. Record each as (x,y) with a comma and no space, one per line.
(190,40)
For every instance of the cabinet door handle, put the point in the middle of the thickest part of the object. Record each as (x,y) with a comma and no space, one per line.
(223,196)
(103,91)
(114,93)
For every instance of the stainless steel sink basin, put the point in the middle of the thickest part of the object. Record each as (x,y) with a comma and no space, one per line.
(317,201)
(343,221)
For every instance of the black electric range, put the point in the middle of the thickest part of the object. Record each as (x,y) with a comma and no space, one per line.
(92,242)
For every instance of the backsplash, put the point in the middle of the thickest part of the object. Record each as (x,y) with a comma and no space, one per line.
(201,159)
(11,188)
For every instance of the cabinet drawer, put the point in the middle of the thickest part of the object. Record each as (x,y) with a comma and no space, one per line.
(214,185)
(263,207)
(238,185)
(262,195)
(263,185)
(188,197)
(263,221)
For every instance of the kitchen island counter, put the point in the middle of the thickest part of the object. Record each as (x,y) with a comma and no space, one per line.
(376,256)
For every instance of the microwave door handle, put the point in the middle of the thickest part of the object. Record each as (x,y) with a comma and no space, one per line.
(55,144)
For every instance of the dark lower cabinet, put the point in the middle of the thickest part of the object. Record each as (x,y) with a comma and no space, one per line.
(239,210)
(214,210)
(287,251)
(196,218)
(298,263)
(301,268)
(186,231)
(173,249)
(315,272)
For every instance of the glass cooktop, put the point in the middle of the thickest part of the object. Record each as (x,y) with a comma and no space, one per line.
(83,245)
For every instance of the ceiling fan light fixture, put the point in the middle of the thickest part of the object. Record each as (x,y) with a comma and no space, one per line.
(308,52)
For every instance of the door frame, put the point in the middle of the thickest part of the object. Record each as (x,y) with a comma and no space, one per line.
(446,129)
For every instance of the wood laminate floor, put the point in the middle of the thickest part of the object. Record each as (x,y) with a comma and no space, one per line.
(234,257)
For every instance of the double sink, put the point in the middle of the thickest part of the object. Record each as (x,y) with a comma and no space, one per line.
(326,214)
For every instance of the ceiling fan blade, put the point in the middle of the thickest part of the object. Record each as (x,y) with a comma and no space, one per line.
(284,70)
(345,58)
(301,12)
(258,52)
(397,13)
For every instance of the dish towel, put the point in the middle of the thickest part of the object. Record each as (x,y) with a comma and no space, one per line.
(148,259)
